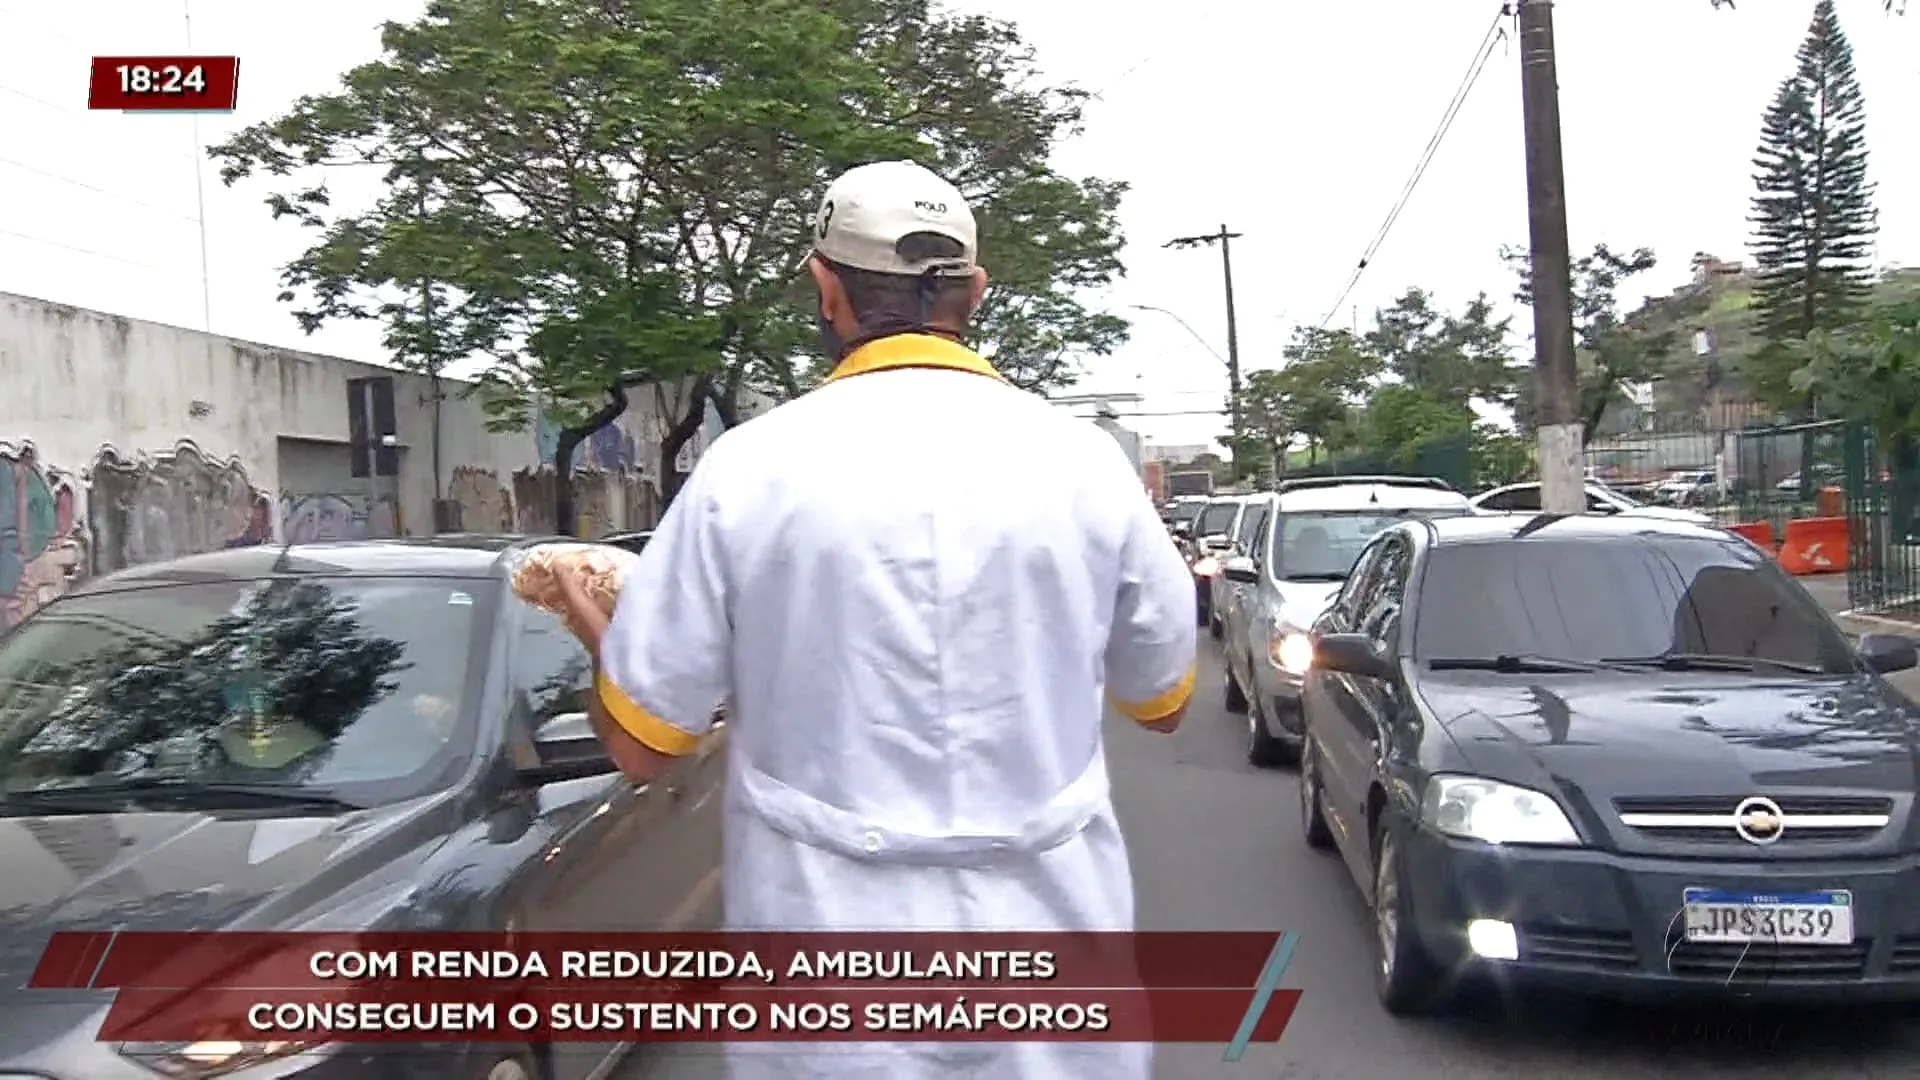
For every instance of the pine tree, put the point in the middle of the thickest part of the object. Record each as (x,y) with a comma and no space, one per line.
(1813,215)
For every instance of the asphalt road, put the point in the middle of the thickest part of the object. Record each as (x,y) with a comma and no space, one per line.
(1216,846)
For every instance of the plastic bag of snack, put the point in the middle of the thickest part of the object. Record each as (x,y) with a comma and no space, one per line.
(536,579)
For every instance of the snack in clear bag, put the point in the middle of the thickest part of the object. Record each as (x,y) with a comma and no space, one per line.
(536,580)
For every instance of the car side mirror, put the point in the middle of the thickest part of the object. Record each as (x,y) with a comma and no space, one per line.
(1353,654)
(568,750)
(1888,653)
(1241,571)
(1217,542)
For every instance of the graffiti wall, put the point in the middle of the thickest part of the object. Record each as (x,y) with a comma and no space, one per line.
(605,502)
(162,506)
(485,506)
(329,515)
(42,546)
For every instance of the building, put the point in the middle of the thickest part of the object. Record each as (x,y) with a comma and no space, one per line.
(1175,455)
(123,442)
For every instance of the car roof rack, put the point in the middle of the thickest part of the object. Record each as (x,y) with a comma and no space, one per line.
(1307,483)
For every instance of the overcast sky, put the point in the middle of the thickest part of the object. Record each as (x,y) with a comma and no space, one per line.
(1294,123)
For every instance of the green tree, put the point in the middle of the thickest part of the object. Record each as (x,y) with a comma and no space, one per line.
(608,195)
(1813,214)
(1869,372)
(1613,350)
(1400,420)
(1450,358)
(970,92)
(1311,398)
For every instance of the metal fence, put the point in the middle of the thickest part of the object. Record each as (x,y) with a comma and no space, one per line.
(1883,508)
(1778,473)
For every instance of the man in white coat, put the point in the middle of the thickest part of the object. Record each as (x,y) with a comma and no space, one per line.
(915,584)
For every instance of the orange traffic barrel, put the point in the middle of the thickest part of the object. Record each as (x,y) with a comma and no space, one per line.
(1814,546)
(1760,533)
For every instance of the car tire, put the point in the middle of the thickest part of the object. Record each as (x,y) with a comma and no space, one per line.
(1236,698)
(1404,977)
(1313,820)
(1265,750)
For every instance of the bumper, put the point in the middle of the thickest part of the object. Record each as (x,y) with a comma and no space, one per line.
(1597,922)
(1280,698)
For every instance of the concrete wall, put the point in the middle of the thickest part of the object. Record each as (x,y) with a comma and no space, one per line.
(123,442)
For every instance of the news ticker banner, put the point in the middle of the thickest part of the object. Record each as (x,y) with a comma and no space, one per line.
(1215,987)
(164,83)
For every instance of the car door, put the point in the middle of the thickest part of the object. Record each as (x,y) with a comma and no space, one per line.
(1368,708)
(1246,541)
(1245,619)
(1330,703)
(621,857)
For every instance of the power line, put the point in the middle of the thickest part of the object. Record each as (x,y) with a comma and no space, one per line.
(83,185)
(32,239)
(1495,34)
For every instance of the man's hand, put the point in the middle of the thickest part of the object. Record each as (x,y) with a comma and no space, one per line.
(583,616)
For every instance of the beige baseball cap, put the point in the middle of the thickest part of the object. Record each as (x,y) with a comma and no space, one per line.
(871,209)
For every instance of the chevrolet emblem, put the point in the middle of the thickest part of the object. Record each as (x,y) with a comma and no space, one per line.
(1759,821)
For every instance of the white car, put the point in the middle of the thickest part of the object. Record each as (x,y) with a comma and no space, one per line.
(1525,499)
(1302,542)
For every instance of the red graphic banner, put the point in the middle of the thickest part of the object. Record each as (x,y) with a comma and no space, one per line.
(181,961)
(703,1015)
(164,83)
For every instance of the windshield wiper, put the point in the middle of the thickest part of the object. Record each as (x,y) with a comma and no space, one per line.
(188,793)
(1510,664)
(1714,662)
(1324,576)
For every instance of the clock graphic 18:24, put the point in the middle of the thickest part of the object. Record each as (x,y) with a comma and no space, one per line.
(164,83)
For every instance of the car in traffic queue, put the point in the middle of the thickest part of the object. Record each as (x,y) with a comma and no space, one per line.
(1211,543)
(1688,487)
(1601,499)
(1180,511)
(370,736)
(1615,755)
(1308,535)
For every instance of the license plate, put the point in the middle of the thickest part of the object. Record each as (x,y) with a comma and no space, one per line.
(1815,918)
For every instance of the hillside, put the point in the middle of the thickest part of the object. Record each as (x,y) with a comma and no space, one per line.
(1719,301)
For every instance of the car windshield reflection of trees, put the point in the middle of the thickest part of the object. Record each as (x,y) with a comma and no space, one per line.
(234,683)
(1648,596)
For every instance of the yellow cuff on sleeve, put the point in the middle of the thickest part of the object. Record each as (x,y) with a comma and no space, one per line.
(652,732)
(1158,708)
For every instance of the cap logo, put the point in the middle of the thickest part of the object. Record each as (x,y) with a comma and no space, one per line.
(930,207)
(826,219)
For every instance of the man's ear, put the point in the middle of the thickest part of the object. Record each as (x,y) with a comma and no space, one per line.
(979,288)
(833,295)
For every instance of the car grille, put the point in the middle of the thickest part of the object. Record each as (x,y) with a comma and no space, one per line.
(1599,950)
(1905,958)
(1708,807)
(1740,964)
(1610,950)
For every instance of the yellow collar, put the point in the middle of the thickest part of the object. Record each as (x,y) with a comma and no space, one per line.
(912,351)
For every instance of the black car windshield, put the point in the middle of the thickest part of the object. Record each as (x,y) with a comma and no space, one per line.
(1216,519)
(1322,545)
(356,687)
(1622,598)
(1185,512)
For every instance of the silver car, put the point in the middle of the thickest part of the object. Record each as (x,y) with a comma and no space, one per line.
(1308,536)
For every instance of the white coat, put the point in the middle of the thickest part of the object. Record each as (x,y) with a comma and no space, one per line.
(915,584)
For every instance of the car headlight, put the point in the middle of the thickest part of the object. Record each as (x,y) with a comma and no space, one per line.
(1292,651)
(1206,567)
(204,1060)
(1471,808)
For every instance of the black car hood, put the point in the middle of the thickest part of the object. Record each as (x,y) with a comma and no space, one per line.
(191,871)
(1661,734)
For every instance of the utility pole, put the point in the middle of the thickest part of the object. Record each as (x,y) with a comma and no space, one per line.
(1557,394)
(1225,240)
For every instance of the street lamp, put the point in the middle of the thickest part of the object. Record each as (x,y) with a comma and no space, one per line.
(1184,325)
